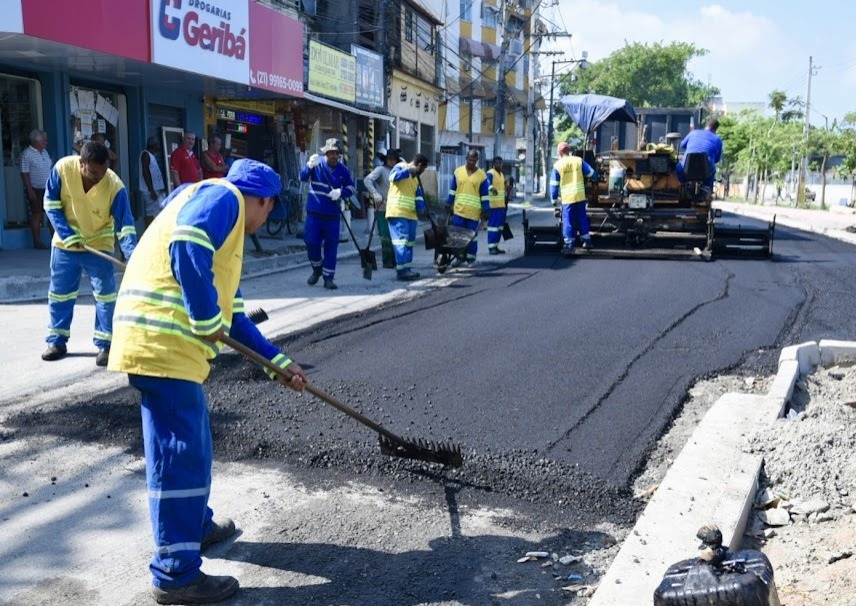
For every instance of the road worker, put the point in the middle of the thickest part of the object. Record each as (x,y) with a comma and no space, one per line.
(470,196)
(568,186)
(329,181)
(498,206)
(377,182)
(87,204)
(180,294)
(405,200)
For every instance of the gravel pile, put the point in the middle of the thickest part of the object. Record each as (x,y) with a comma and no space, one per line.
(805,511)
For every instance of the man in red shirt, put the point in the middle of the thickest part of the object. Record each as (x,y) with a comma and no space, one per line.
(183,165)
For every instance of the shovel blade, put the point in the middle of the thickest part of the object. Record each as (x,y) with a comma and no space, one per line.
(369,259)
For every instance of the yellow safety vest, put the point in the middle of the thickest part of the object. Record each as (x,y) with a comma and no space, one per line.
(401,200)
(468,200)
(572,185)
(87,212)
(153,334)
(497,200)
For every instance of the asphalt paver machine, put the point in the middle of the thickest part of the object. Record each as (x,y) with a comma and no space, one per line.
(638,207)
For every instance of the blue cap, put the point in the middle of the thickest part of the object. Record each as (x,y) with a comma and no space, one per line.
(254,178)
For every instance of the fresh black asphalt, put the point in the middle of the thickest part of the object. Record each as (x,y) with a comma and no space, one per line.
(555,376)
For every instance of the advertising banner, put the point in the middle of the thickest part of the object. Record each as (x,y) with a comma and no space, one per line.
(276,51)
(210,38)
(370,88)
(332,73)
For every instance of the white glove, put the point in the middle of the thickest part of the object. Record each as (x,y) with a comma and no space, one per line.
(335,194)
(377,197)
(313,161)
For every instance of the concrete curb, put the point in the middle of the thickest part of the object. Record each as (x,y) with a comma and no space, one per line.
(711,481)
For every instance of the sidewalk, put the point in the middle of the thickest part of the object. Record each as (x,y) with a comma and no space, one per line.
(25,274)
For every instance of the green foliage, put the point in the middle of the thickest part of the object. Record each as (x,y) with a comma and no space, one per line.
(647,75)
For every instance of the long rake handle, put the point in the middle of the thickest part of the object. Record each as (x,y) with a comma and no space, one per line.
(255,357)
(104,255)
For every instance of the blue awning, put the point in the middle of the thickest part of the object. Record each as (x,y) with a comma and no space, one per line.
(590,111)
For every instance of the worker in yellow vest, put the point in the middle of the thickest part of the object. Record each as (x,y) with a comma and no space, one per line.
(404,201)
(87,204)
(567,184)
(179,295)
(498,206)
(470,196)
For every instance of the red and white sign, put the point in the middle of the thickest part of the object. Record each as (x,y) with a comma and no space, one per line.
(276,59)
(210,38)
(240,41)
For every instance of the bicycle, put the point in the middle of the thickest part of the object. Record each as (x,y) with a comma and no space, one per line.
(285,211)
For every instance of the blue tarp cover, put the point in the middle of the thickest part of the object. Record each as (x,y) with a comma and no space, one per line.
(590,111)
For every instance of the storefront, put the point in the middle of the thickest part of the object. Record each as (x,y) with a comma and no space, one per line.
(415,104)
(131,71)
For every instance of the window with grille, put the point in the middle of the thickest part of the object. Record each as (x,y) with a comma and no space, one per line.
(408,24)
(466,10)
(489,16)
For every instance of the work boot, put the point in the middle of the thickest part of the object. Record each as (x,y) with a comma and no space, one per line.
(389,265)
(567,250)
(330,285)
(54,352)
(313,279)
(103,357)
(204,590)
(586,244)
(408,276)
(219,532)
(494,251)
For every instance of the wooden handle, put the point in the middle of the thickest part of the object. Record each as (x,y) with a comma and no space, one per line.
(104,255)
(252,355)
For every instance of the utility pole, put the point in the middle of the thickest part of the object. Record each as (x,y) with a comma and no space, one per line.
(499,108)
(804,163)
(582,62)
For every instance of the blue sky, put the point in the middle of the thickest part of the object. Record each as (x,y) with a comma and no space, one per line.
(755,46)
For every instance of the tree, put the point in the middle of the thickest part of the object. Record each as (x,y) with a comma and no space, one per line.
(654,75)
(778,100)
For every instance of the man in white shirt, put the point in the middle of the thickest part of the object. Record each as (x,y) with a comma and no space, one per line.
(152,184)
(36,166)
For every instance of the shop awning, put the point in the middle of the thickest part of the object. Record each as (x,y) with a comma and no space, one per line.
(470,88)
(347,108)
(519,95)
(471,47)
(491,51)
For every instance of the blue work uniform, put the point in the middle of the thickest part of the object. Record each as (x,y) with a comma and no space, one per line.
(469,196)
(567,185)
(183,284)
(93,218)
(498,207)
(705,141)
(323,215)
(404,201)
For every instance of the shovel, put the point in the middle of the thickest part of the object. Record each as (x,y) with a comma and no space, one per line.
(368,254)
(390,444)
(367,261)
(435,237)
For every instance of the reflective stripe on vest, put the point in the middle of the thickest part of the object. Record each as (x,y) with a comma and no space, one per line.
(153,334)
(572,186)
(497,200)
(468,200)
(401,199)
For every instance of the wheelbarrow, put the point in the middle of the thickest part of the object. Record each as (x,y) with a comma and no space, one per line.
(453,244)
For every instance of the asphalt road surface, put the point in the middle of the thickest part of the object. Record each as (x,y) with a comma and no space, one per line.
(555,376)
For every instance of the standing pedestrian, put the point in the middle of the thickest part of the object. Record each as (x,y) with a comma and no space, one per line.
(469,193)
(87,204)
(498,205)
(568,186)
(35,169)
(405,200)
(213,164)
(152,186)
(377,182)
(329,181)
(180,294)
(183,165)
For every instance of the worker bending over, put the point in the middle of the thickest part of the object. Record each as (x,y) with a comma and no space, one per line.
(180,294)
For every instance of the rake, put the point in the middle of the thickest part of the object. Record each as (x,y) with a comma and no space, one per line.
(390,444)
